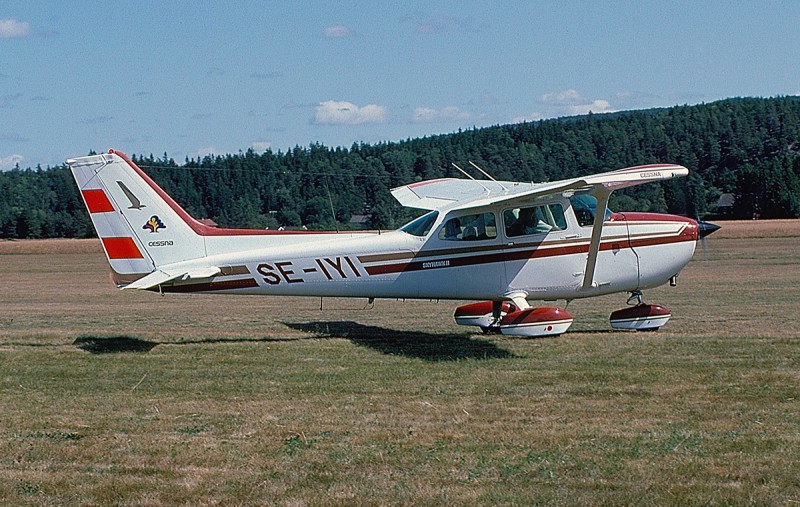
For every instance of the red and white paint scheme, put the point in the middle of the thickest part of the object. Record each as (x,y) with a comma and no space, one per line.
(503,243)
(641,317)
(543,321)
(481,314)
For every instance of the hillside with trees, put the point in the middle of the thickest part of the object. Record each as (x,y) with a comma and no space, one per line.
(747,147)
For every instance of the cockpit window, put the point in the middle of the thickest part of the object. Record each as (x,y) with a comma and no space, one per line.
(584,206)
(474,227)
(421,226)
(534,220)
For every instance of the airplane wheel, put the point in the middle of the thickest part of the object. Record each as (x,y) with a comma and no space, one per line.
(640,318)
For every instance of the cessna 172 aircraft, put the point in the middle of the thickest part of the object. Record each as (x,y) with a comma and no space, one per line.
(500,243)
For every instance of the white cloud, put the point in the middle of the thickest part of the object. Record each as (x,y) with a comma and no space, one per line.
(536,116)
(570,96)
(7,163)
(595,106)
(334,112)
(261,146)
(430,115)
(338,32)
(571,102)
(13,29)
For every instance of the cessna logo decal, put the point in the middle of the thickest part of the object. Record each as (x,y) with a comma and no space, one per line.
(154,224)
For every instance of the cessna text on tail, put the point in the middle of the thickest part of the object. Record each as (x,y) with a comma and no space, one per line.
(501,244)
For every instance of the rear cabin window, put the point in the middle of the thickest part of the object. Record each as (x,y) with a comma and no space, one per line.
(475,227)
(534,220)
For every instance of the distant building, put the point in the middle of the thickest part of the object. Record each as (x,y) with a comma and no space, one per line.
(725,205)
(360,221)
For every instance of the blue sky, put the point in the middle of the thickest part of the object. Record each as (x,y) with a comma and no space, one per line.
(193,78)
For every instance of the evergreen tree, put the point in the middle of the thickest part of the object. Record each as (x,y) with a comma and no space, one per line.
(746,146)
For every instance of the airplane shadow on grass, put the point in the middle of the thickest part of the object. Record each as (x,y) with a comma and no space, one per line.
(416,344)
(113,344)
(119,344)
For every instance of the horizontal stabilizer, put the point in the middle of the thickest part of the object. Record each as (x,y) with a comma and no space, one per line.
(161,277)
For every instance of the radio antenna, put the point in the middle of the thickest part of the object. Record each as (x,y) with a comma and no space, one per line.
(473,164)
(470,177)
(465,173)
(333,215)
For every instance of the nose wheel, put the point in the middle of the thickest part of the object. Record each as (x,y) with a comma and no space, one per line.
(640,316)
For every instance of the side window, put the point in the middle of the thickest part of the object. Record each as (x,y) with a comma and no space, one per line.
(475,227)
(534,220)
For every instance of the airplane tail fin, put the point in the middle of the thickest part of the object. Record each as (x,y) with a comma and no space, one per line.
(139,225)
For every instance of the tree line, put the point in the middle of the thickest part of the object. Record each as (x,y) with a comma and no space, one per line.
(748,147)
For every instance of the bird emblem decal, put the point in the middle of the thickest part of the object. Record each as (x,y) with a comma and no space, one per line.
(135,202)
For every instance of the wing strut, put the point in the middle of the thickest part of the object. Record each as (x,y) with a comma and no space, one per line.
(602,194)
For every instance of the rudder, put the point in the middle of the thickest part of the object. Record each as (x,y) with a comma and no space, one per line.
(139,225)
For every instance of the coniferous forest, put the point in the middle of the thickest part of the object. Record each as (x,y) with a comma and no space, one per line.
(748,147)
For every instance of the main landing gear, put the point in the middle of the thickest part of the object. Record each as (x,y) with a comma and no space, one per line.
(507,317)
(640,316)
(517,317)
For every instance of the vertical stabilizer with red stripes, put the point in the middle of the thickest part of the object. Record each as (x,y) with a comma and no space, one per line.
(140,227)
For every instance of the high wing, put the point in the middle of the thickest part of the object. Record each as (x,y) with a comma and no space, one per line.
(454,193)
(446,192)
(457,194)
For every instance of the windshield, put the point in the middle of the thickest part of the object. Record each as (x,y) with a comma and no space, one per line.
(421,226)
(583,205)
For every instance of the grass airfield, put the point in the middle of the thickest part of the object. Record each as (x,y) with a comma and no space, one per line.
(242,400)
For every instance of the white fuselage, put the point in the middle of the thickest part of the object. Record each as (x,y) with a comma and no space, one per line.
(480,241)
(637,251)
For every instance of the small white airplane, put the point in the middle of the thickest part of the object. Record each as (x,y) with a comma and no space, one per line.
(500,243)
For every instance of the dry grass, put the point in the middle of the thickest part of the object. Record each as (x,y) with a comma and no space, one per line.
(253,401)
(739,229)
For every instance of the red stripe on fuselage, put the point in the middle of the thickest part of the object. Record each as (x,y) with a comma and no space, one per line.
(524,254)
(97,201)
(121,248)
(475,259)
